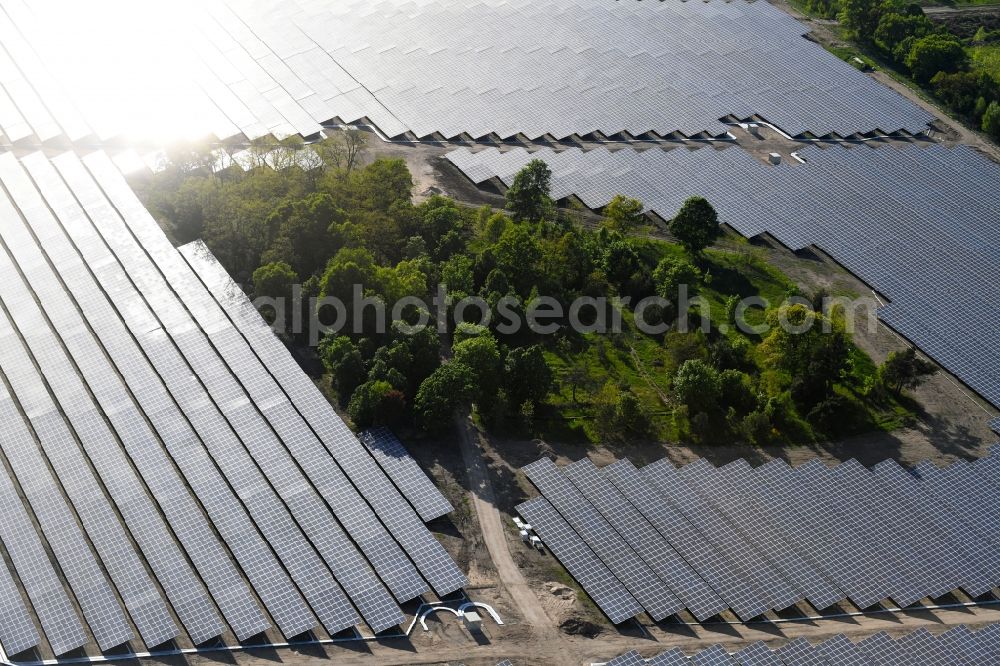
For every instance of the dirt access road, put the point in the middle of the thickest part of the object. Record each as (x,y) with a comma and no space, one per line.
(495,538)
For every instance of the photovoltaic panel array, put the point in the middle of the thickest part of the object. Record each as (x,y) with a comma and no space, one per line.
(501,67)
(915,223)
(957,645)
(404,471)
(767,538)
(183,479)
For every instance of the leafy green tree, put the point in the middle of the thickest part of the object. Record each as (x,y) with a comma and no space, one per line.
(812,348)
(936,53)
(482,356)
(619,413)
(737,392)
(274,280)
(343,360)
(439,217)
(303,238)
(671,273)
(697,385)
(620,261)
(527,375)
(991,120)
(905,370)
(962,91)
(518,254)
(376,402)
(494,227)
(623,214)
(528,197)
(860,17)
(894,28)
(449,387)
(696,225)
(457,274)
(424,348)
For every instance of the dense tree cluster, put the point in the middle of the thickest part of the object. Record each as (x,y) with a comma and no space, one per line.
(347,230)
(931,54)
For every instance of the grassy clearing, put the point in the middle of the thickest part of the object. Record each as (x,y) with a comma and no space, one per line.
(986,57)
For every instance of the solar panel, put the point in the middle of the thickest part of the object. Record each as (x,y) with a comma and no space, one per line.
(391,508)
(400,466)
(971,558)
(801,653)
(842,652)
(272,583)
(672,657)
(31,563)
(959,645)
(893,529)
(261,67)
(668,565)
(757,654)
(125,488)
(185,517)
(630,658)
(770,585)
(883,650)
(825,537)
(923,648)
(640,580)
(713,656)
(17,631)
(757,528)
(690,543)
(739,486)
(581,562)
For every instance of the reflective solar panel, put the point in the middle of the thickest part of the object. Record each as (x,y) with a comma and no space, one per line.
(801,653)
(661,557)
(713,656)
(602,586)
(126,394)
(635,574)
(840,651)
(404,471)
(264,67)
(631,658)
(399,518)
(757,654)
(884,651)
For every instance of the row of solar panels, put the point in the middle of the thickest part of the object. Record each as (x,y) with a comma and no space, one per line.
(183,470)
(557,67)
(958,645)
(661,539)
(915,223)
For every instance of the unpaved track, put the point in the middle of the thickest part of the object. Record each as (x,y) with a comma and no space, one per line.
(495,537)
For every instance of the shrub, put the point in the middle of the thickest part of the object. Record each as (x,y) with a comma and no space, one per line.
(936,53)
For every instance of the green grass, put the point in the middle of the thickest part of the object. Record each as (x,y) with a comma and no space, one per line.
(987,58)
(642,362)
(848,55)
